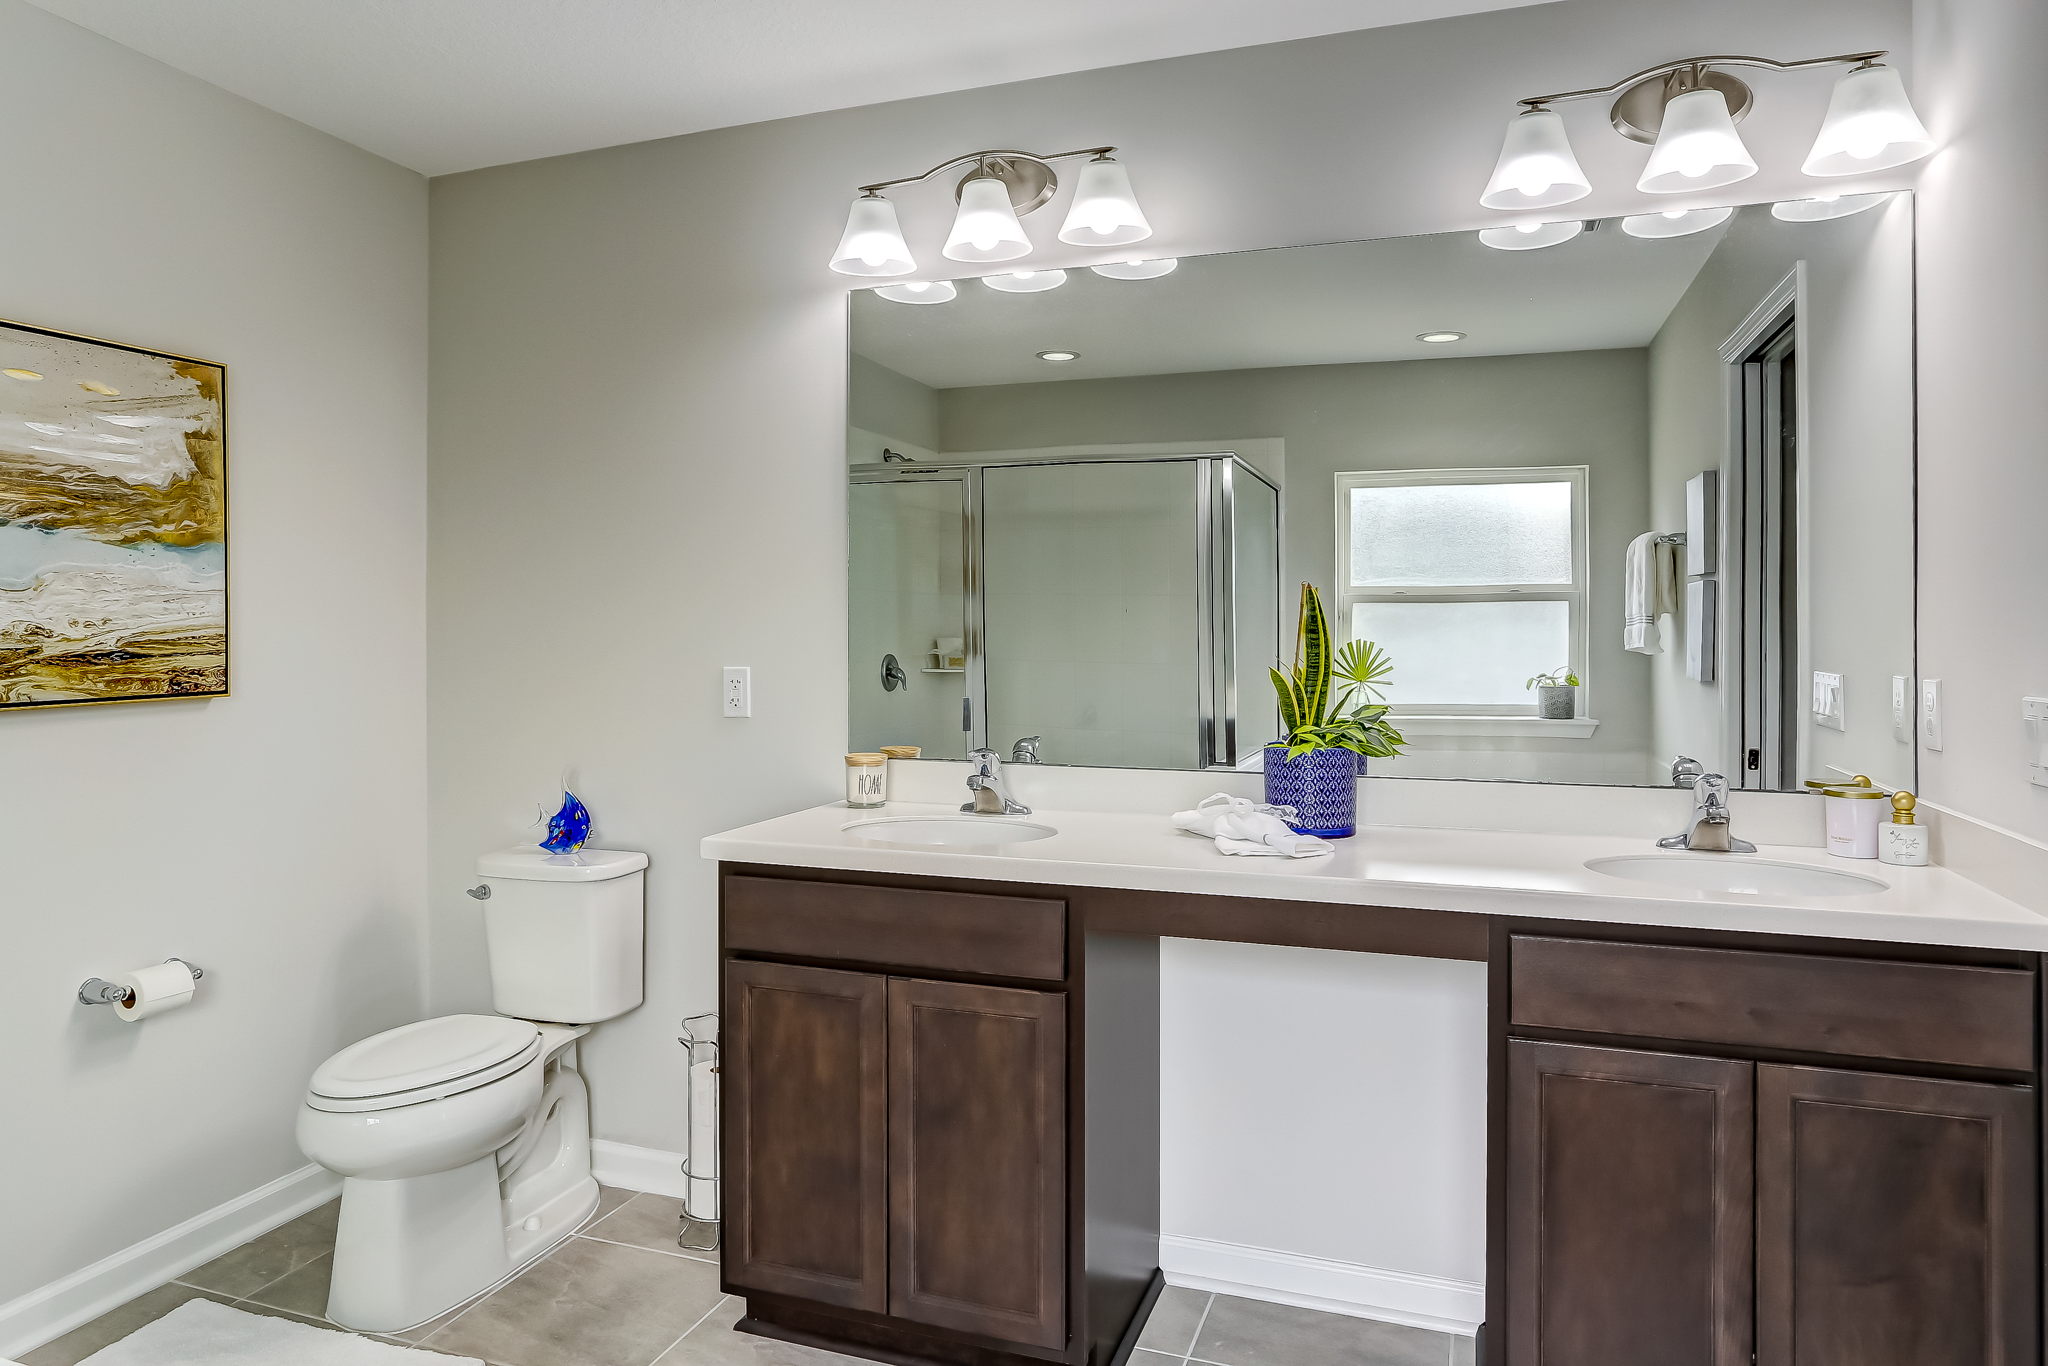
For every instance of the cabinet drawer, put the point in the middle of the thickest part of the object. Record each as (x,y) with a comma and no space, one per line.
(898,927)
(1867,1008)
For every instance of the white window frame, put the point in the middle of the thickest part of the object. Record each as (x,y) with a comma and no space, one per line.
(1452,715)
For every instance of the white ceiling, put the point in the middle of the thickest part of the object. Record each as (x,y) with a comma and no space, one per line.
(451,85)
(1339,304)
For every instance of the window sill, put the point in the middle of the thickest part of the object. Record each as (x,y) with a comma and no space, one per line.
(1510,727)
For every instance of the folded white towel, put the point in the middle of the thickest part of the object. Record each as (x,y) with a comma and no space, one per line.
(1649,590)
(1242,826)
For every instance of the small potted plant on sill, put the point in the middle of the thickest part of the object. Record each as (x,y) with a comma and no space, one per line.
(1557,694)
(1315,768)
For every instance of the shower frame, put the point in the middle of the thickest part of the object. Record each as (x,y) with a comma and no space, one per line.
(1217,477)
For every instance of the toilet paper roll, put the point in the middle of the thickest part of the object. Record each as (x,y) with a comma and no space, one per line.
(153,990)
(701,1198)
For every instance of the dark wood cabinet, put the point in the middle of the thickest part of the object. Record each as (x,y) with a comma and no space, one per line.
(977,1159)
(805,1076)
(1896,1221)
(1629,1207)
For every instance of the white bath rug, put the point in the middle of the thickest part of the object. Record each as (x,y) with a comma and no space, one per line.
(202,1333)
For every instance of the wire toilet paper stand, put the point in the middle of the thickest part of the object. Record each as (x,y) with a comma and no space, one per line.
(701,1174)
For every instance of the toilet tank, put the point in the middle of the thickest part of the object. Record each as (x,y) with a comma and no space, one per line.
(565,932)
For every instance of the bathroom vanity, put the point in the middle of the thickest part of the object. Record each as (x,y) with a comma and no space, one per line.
(1719,1125)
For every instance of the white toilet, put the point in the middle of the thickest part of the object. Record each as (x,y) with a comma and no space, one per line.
(464,1141)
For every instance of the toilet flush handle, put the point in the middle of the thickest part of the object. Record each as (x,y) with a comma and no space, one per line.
(482,891)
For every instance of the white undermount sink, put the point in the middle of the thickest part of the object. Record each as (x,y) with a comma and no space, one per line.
(948,832)
(1739,874)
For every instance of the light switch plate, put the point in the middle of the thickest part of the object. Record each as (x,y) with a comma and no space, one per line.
(1902,709)
(1930,713)
(2034,711)
(739,690)
(1827,701)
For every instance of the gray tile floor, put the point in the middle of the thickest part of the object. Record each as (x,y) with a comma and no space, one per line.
(620,1293)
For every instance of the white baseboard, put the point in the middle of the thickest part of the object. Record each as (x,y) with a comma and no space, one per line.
(1366,1292)
(83,1296)
(651,1170)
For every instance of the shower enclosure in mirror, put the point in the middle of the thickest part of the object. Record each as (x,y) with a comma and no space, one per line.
(1071,608)
(1609,505)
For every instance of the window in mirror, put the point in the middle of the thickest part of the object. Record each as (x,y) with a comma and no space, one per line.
(1472,579)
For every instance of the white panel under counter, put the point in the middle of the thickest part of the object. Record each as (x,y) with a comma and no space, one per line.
(1521,873)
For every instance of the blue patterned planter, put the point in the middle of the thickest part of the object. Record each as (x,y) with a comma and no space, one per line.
(1322,785)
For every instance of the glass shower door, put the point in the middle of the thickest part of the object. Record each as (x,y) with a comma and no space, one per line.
(1092,611)
(907,603)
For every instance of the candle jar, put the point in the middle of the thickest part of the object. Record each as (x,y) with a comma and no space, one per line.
(867,779)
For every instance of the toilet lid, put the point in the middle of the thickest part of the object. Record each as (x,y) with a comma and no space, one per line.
(421,1055)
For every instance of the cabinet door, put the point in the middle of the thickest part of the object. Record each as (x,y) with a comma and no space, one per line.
(977,1159)
(806,1138)
(1629,1208)
(1895,1221)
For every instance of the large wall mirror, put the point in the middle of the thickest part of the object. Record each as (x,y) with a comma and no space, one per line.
(1676,469)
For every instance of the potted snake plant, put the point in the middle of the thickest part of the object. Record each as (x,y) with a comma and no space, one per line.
(1327,735)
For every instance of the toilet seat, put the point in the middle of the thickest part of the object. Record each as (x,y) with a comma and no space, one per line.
(425,1061)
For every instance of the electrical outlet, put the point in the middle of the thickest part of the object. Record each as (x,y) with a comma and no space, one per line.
(1930,713)
(1902,709)
(739,690)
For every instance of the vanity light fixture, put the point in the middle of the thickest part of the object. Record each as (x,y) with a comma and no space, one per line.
(1823,207)
(1688,110)
(1000,187)
(1675,222)
(1026,281)
(919,292)
(1439,338)
(1137,270)
(1059,357)
(1530,235)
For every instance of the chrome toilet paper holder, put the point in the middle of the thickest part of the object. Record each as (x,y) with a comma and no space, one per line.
(95,991)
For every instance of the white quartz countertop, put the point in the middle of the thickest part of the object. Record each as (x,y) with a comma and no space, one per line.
(1475,871)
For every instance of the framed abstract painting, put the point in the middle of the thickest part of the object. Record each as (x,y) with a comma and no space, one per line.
(113,522)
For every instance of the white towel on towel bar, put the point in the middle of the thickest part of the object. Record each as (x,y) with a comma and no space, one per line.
(1649,590)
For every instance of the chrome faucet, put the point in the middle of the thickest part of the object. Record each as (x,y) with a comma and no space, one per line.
(991,796)
(1709,833)
(1025,751)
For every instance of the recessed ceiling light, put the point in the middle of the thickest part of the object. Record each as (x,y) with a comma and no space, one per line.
(1058,356)
(1439,337)
(1026,281)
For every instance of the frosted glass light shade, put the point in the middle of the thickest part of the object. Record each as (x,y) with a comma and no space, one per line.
(1530,236)
(1537,168)
(1026,281)
(873,241)
(1823,207)
(1870,126)
(1104,213)
(919,292)
(1697,147)
(1137,270)
(986,228)
(1675,222)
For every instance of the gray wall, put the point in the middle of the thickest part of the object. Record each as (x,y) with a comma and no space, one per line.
(888,410)
(1571,408)
(276,836)
(1856,373)
(1983,331)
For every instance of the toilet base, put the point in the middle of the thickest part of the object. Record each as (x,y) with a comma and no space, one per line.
(409,1250)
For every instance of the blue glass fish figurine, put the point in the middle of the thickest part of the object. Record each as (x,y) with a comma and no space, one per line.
(569,828)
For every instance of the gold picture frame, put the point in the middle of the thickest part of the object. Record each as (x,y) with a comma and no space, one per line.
(113,522)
